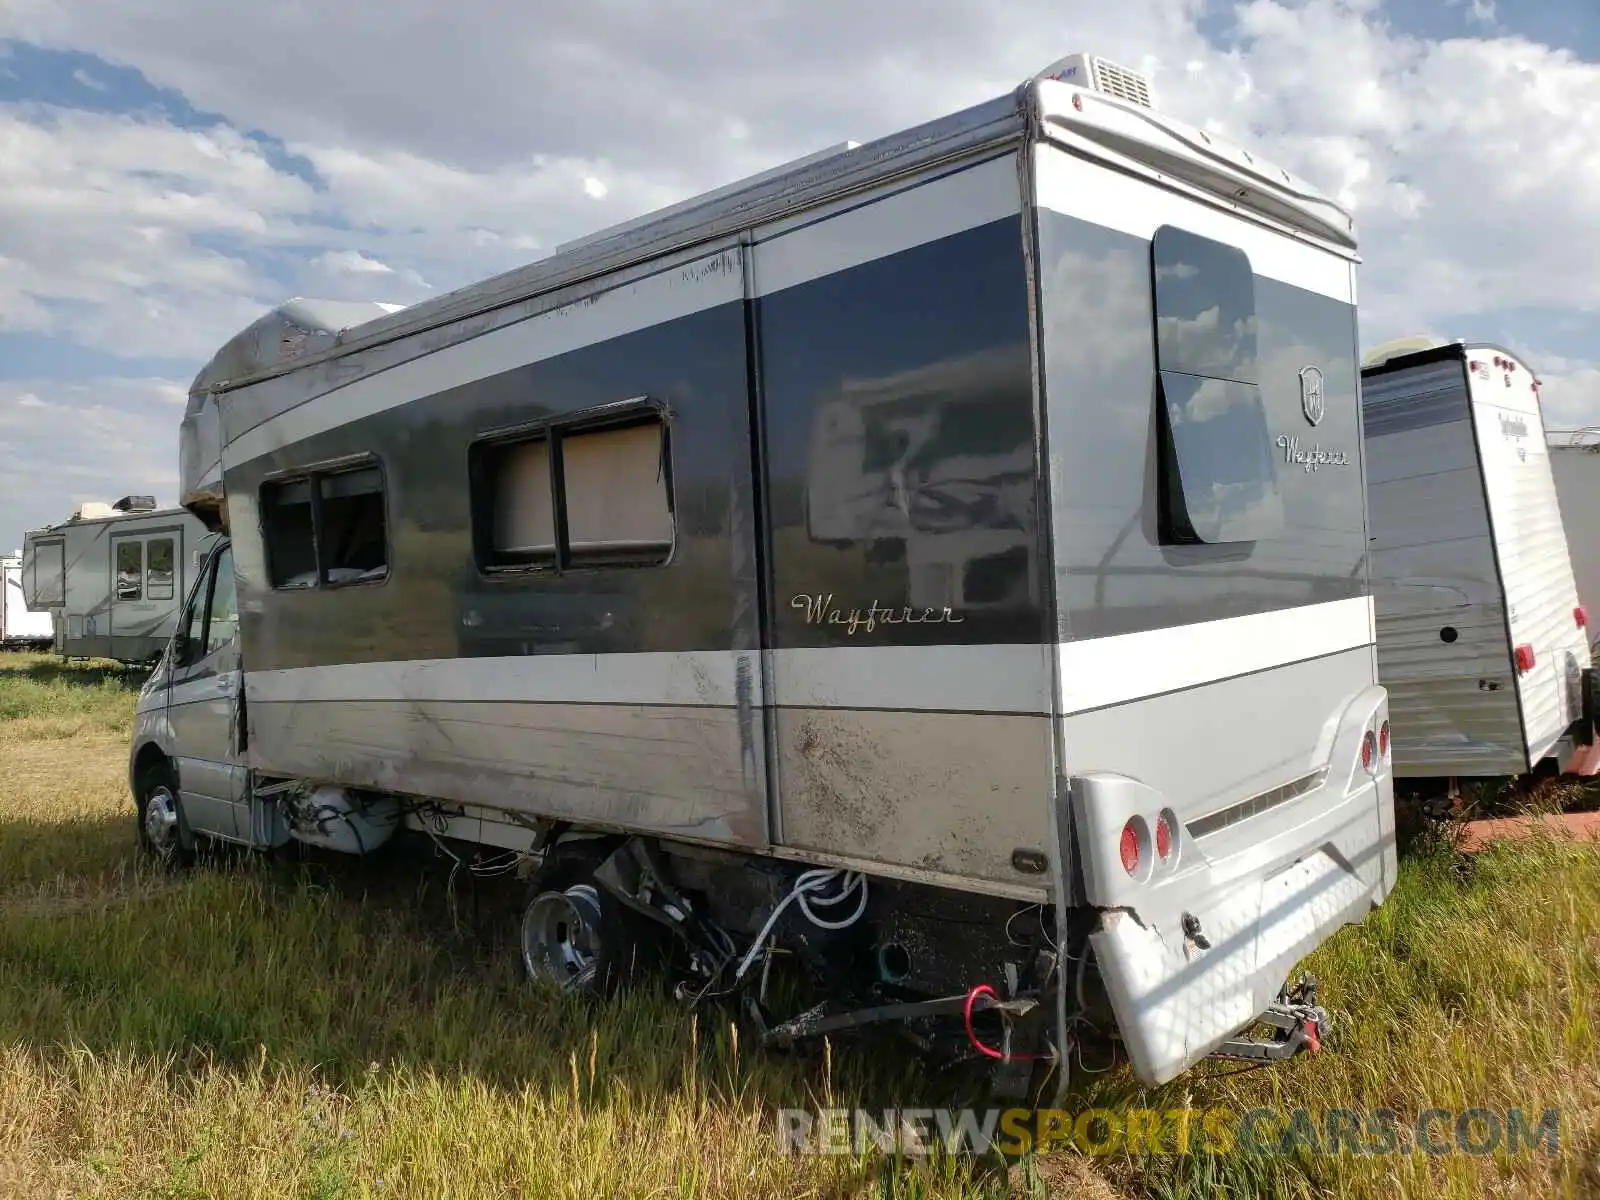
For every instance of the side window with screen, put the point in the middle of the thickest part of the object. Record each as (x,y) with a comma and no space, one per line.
(1218,477)
(130,570)
(575,494)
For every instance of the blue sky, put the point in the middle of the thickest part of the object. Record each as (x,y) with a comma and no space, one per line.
(171,168)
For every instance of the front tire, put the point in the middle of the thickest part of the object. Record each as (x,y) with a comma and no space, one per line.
(163,833)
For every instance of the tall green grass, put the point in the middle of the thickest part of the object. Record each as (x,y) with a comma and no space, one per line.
(297,1027)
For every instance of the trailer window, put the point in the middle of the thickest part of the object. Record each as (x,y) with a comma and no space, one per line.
(159,577)
(1218,479)
(609,486)
(326,529)
(130,570)
(352,540)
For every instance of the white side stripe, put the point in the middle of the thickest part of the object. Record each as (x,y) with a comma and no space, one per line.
(1100,672)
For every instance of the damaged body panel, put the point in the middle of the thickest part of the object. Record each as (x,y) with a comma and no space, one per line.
(843,564)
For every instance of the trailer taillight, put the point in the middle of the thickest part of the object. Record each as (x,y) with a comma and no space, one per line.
(1130,848)
(1369,750)
(1383,738)
(1525,659)
(1163,838)
(1580,617)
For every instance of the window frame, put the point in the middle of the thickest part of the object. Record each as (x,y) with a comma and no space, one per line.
(483,479)
(172,583)
(200,602)
(123,543)
(1176,524)
(312,477)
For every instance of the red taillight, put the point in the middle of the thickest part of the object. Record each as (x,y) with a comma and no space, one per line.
(1369,750)
(1130,849)
(1524,657)
(1580,615)
(1163,839)
(1383,738)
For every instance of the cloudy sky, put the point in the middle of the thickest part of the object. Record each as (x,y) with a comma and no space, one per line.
(171,168)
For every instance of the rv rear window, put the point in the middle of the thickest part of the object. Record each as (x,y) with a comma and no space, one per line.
(1218,479)
(608,486)
(326,530)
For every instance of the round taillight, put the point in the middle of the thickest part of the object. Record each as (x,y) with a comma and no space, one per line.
(1369,749)
(1163,839)
(1130,849)
(1383,738)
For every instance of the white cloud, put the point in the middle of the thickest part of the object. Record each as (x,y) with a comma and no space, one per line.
(62,443)
(474,138)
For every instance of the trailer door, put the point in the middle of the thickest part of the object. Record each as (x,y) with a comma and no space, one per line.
(144,588)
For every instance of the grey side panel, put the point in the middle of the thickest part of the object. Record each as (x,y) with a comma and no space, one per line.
(1443,651)
(899,413)
(673,770)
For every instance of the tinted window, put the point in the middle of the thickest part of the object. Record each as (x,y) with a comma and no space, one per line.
(353,538)
(288,533)
(1218,475)
(159,576)
(325,529)
(130,570)
(1205,296)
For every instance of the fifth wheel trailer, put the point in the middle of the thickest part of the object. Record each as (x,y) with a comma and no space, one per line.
(1483,641)
(943,559)
(113,577)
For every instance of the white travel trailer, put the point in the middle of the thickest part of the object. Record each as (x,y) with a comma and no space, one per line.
(20,628)
(649,564)
(1483,642)
(112,577)
(1575,466)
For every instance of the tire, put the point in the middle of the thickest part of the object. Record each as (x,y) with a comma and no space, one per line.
(164,835)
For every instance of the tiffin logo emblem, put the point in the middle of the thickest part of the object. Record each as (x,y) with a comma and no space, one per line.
(1311,399)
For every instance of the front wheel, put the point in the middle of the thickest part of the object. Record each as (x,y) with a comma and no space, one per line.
(163,834)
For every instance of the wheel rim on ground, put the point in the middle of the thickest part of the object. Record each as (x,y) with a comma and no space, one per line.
(560,937)
(161,821)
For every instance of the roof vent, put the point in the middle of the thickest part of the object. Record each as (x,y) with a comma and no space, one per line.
(135,504)
(1099,75)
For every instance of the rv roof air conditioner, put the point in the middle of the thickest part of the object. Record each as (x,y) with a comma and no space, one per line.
(135,504)
(91,510)
(1100,75)
(1395,347)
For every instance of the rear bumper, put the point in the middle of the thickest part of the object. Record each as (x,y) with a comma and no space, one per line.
(1321,862)
(1185,1002)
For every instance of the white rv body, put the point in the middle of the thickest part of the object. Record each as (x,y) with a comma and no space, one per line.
(111,580)
(20,627)
(1471,569)
(999,573)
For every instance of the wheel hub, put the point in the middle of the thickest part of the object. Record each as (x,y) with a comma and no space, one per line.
(161,821)
(560,937)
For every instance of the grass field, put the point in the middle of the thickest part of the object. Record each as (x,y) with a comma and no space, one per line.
(292,1027)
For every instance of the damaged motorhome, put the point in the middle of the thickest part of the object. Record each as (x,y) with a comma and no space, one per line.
(1483,640)
(112,577)
(940,566)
